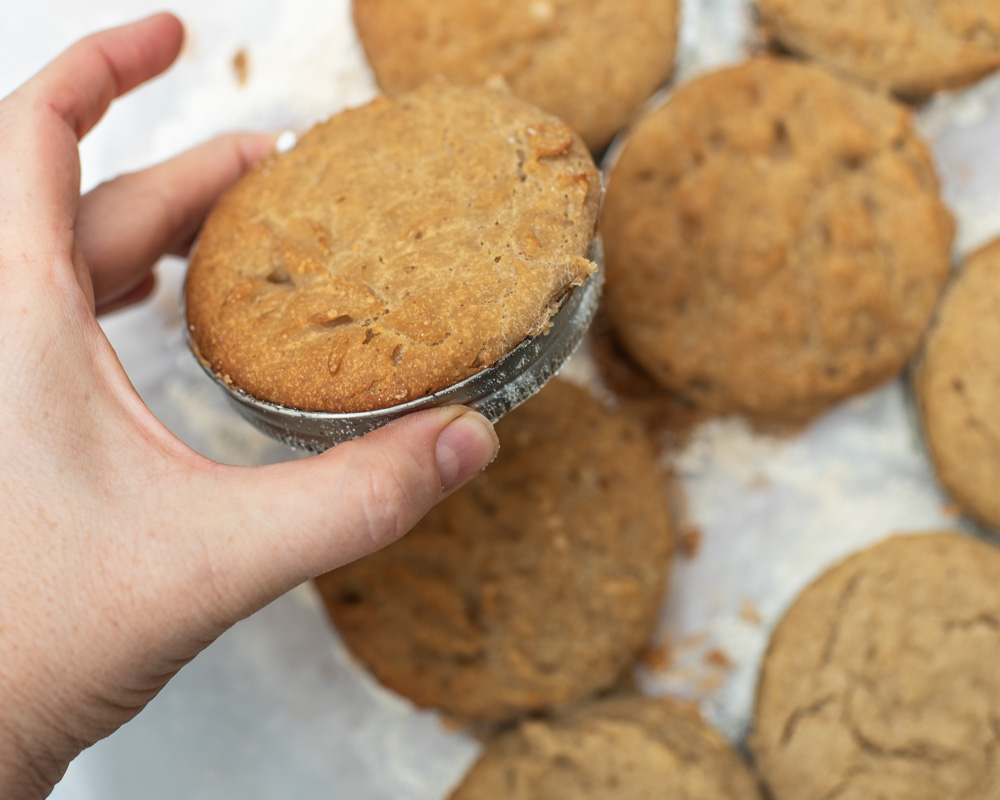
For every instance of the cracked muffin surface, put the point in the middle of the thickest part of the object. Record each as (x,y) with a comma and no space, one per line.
(775,241)
(913,47)
(399,248)
(625,748)
(958,387)
(530,588)
(882,680)
(590,62)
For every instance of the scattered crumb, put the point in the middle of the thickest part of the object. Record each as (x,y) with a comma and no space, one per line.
(451,724)
(718,659)
(656,657)
(689,538)
(749,613)
(241,66)
(710,682)
(688,534)
(188,43)
(691,641)
(759,483)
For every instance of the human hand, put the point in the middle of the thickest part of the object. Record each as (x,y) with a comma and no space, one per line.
(122,552)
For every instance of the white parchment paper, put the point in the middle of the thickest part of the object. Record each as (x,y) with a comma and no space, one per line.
(276,708)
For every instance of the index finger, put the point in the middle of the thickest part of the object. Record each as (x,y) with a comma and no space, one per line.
(41,123)
(81,83)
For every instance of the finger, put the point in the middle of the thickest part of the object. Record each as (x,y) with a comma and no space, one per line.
(41,123)
(136,295)
(81,83)
(125,225)
(302,518)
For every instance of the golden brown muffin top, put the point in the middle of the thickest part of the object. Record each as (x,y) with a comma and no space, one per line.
(532,587)
(913,47)
(882,680)
(629,748)
(958,387)
(775,240)
(592,63)
(399,248)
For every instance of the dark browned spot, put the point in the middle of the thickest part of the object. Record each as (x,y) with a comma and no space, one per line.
(241,66)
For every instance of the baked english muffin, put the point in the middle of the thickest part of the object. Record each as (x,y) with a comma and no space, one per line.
(881,681)
(629,748)
(775,241)
(912,47)
(592,63)
(532,587)
(399,248)
(958,387)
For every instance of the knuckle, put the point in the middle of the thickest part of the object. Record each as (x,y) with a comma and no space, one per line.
(242,160)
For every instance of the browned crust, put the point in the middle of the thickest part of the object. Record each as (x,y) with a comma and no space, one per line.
(592,63)
(624,748)
(881,680)
(957,384)
(775,241)
(531,588)
(912,47)
(399,248)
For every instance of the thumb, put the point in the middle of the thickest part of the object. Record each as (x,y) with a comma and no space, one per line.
(303,518)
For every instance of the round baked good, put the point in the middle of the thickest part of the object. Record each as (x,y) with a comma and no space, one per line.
(775,240)
(882,680)
(399,248)
(912,47)
(530,588)
(592,63)
(958,387)
(631,748)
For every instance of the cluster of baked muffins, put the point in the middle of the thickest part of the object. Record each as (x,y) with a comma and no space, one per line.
(775,242)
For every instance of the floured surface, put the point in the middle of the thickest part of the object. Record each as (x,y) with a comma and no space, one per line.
(276,707)
(773,513)
(963,128)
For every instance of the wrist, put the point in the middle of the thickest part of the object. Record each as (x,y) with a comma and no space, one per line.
(24,774)
(22,781)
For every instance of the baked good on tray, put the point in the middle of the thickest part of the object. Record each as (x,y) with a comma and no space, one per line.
(589,62)
(399,248)
(882,680)
(913,47)
(957,383)
(775,240)
(532,587)
(623,748)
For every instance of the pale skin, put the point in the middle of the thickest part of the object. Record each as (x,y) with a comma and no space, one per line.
(123,553)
